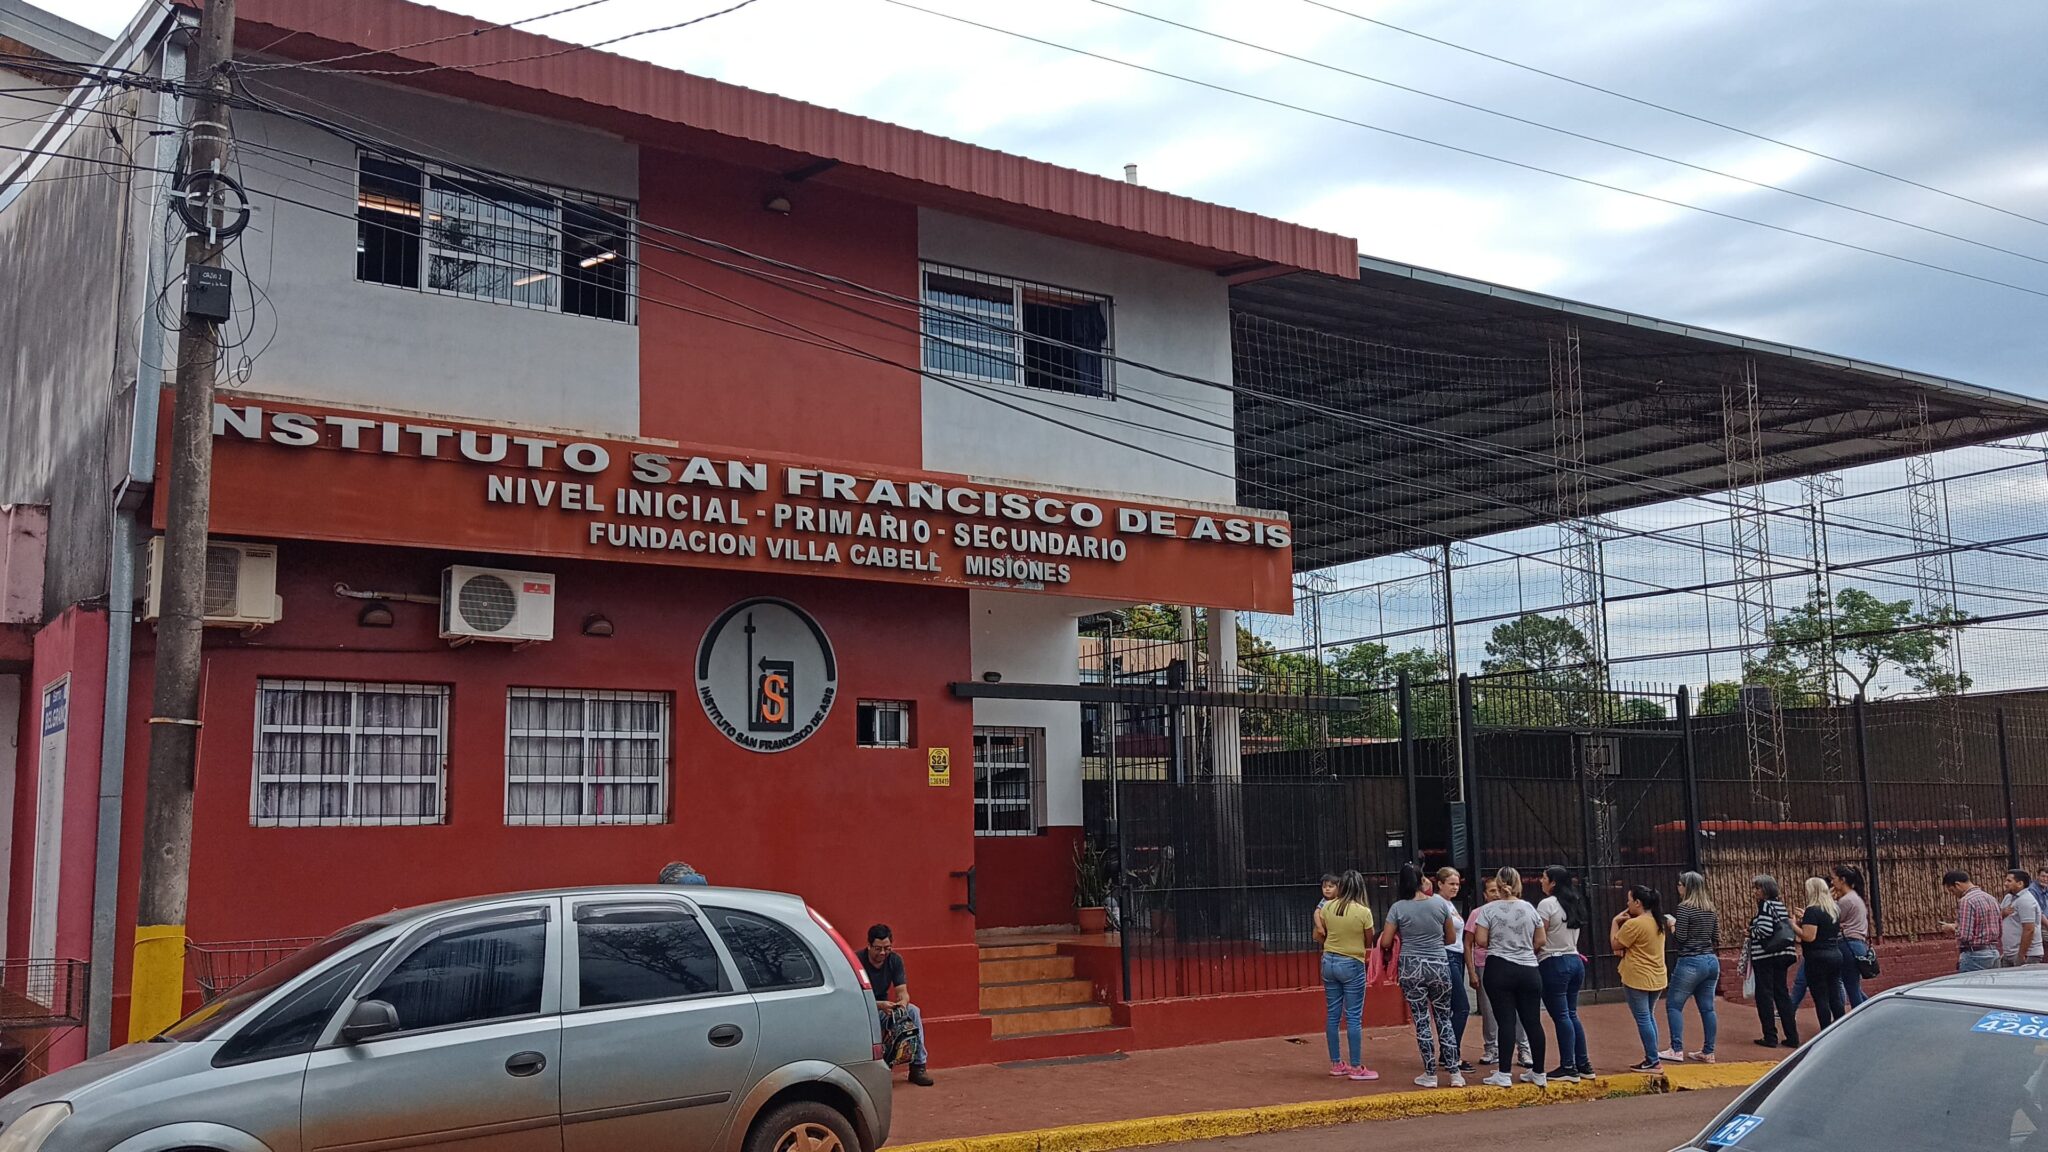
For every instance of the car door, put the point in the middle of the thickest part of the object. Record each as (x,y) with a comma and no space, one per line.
(657,1040)
(474,1062)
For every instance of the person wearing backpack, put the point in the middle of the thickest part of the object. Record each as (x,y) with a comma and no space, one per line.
(1771,950)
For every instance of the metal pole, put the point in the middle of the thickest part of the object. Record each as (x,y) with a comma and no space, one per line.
(1695,839)
(1582,771)
(1467,761)
(1452,677)
(1869,816)
(157,979)
(1404,699)
(2012,815)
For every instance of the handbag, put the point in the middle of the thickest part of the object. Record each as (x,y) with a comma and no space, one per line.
(1866,963)
(1781,938)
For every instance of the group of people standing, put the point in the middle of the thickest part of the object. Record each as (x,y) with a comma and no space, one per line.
(1524,960)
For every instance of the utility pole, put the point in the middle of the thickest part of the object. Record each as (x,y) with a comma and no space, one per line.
(158,977)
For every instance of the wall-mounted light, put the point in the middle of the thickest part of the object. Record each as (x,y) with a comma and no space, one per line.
(375,614)
(777,204)
(992,677)
(597,624)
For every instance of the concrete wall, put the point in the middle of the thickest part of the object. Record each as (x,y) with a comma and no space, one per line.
(66,360)
(332,337)
(1162,314)
(1031,640)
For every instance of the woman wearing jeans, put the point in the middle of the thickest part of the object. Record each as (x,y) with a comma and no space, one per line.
(1847,885)
(1564,913)
(1449,882)
(1637,936)
(1696,976)
(1423,927)
(1343,925)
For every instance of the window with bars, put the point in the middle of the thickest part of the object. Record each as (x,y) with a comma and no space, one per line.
(334,752)
(1009,781)
(576,756)
(883,724)
(424,227)
(1002,330)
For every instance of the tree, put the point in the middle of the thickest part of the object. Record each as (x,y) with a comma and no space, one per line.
(1874,641)
(1542,672)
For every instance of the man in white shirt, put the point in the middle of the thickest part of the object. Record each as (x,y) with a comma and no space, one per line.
(2020,931)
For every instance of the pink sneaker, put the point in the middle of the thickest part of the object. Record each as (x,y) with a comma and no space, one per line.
(1363,1073)
(1340,1070)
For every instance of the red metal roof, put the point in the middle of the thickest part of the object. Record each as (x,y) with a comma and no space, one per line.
(666,108)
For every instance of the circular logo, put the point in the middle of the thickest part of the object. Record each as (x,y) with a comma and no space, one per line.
(766,674)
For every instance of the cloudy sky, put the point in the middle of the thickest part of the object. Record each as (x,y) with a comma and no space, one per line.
(1951,96)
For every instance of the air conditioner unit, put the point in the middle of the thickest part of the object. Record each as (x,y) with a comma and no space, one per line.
(497,604)
(241,584)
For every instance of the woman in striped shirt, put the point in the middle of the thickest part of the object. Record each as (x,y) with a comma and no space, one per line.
(1696,937)
(1771,952)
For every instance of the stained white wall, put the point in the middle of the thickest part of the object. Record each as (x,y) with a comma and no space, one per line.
(10,767)
(1031,639)
(1162,314)
(327,336)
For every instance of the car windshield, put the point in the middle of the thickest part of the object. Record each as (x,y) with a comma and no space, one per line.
(1908,1074)
(218,1014)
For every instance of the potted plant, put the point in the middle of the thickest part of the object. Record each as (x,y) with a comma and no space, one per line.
(1091,888)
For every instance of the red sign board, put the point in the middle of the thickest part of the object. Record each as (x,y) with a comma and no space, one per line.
(293,470)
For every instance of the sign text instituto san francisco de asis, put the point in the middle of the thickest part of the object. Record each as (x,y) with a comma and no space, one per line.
(294,470)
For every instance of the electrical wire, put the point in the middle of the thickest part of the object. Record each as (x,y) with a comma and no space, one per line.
(479,30)
(1590,182)
(1665,108)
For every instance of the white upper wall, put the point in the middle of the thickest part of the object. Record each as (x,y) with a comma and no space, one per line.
(337,339)
(1163,314)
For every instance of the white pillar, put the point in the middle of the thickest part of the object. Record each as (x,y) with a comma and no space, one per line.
(1226,749)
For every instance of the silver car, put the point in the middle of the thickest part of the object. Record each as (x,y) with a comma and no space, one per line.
(1954,1064)
(586,1020)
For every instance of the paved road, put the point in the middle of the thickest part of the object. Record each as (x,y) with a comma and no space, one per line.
(1641,1124)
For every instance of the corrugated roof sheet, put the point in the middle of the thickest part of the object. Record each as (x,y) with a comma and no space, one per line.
(616,92)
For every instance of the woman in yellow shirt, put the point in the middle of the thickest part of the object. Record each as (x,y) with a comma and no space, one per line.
(1637,936)
(1344,924)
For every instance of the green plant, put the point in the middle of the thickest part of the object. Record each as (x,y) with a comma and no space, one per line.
(1091,876)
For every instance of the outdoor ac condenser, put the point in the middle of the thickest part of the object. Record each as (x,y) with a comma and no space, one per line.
(241,584)
(497,604)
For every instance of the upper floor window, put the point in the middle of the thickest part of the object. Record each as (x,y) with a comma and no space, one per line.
(1008,331)
(509,242)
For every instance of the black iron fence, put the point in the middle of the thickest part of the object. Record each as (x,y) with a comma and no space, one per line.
(1221,820)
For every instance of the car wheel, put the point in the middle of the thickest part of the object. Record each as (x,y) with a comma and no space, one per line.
(803,1126)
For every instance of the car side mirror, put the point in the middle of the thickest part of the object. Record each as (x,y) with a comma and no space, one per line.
(369,1020)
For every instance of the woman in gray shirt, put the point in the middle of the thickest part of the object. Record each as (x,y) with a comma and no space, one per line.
(1423,926)
(1512,933)
(1854,917)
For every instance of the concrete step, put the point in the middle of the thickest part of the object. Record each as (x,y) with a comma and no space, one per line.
(1051,1018)
(1029,969)
(1036,993)
(1018,951)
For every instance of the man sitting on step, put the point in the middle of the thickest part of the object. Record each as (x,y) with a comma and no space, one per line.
(902,1024)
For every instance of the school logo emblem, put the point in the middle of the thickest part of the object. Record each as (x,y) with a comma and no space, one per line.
(766,674)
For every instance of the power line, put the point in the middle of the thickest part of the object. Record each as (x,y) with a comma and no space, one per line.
(479,30)
(1709,121)
(1563,131)
(1473,152)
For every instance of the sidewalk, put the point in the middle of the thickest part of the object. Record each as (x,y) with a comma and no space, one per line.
(998,1098)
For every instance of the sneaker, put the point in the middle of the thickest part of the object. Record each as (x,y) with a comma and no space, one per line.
(919,1076)
(1538,1079)
(1363,1073)
(1466,1066)
(1565,1073)
(1671,1056)
(1701,1057)
(1586,1072)
(1766,1042)
(1646,1066)
(1426,1080)
(1490,1056)
(1340,1070)
(1458,1080)
(1499,1080)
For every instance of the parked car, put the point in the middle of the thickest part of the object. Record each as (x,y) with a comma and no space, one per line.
(1955,1064)
(587,1020)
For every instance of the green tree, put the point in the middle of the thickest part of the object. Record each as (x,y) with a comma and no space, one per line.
(1880,648)
(1542,672)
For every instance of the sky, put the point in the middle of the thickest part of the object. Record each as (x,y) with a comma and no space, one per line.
(1950,96)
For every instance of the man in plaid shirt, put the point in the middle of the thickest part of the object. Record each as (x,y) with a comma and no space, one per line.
(1977,924)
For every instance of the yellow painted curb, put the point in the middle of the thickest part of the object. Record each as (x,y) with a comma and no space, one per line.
(1701,1077)
(1110,1136)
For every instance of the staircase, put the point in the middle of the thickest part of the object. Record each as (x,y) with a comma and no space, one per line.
(1031,990)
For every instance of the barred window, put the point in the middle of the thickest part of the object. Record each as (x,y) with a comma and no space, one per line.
(1009,781)
(336,752)
(576,756)
(1008,331)
(883,724)
(422,226)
